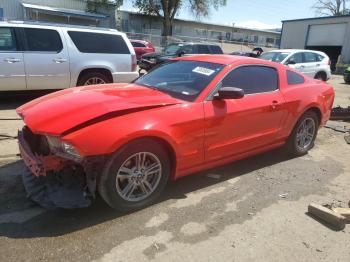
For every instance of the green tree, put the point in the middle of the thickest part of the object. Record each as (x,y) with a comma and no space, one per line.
(167,9)
(94,5)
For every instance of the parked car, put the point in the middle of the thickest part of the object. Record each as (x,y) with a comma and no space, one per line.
(172,50)
(314,64)
(142,47)
(244,53)
(347,75)
(196,112)
(53,56)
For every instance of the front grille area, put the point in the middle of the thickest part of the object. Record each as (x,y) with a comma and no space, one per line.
(37,143)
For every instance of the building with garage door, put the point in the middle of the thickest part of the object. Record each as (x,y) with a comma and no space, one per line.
(327,34)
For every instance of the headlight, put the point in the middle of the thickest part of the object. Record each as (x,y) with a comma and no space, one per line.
(70,150)
(59,147)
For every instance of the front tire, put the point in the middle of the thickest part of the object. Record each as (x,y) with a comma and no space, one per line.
(135,175)
(303,135)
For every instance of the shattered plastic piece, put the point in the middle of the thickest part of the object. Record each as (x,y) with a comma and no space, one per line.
(340,113)
(336,126)
(215,176)
(347,138)
(284,195)
(57,190)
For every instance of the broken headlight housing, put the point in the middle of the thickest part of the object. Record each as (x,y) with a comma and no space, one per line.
(62,148)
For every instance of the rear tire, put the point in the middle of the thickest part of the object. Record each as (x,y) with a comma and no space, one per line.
(126,185)
(93,78)
(321,76)
(303,135)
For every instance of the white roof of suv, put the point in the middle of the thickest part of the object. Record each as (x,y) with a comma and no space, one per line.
(16,23)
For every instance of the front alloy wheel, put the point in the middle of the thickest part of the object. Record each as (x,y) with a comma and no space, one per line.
(138,176)
(135,175)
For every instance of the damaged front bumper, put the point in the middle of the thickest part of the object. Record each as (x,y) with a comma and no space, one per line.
(39,165)
(54,181)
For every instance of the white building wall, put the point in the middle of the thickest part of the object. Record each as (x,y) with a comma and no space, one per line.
(295,33)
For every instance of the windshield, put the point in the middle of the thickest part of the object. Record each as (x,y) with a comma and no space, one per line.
(172,48)
(181,79)
(274,56)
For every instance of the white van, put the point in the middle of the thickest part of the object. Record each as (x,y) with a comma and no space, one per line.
(36,56)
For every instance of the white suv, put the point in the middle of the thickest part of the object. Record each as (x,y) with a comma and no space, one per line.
(47,56)
(311,63)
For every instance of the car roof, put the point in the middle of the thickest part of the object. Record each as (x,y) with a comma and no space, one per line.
(34,24)
(293,51)
(139,41)
(225,59)
(192,43)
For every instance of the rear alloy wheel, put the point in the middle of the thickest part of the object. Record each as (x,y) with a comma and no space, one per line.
(135,175)
(304,134)
(93,78)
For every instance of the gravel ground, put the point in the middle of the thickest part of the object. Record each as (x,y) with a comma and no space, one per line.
(251,210)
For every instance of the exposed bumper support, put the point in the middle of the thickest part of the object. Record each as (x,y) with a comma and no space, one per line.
(39,165)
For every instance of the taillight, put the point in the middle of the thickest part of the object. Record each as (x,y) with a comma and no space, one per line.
(329,62)
(133,63)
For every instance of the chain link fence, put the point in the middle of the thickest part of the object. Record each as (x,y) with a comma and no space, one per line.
(159,42)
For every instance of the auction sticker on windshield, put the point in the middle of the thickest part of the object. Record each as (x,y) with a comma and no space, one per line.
(203,71)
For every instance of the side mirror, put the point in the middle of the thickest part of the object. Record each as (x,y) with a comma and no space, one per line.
(229,93)
(291,62)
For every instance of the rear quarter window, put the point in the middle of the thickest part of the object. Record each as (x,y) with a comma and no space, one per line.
(99,43)
(294,78)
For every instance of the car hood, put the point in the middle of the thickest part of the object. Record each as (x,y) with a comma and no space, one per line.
(67,110)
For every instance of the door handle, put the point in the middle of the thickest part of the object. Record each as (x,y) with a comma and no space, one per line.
(12,60)
(274,105)
(59,60)
(302,66)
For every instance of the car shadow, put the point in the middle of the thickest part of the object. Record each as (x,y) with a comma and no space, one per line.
(61,222)
(12,100)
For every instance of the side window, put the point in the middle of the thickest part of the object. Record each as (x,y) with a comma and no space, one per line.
(294,78)
(99,43)
(203,49)
(137,44)
(189,49)
(319,57)
(253,79)
(7,39)
(309,57)
(215,49)
(43,40)
(296,58)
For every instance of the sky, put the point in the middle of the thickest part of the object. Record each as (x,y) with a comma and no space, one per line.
(261,14)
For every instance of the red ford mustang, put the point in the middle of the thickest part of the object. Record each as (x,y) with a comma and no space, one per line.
(126,141)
